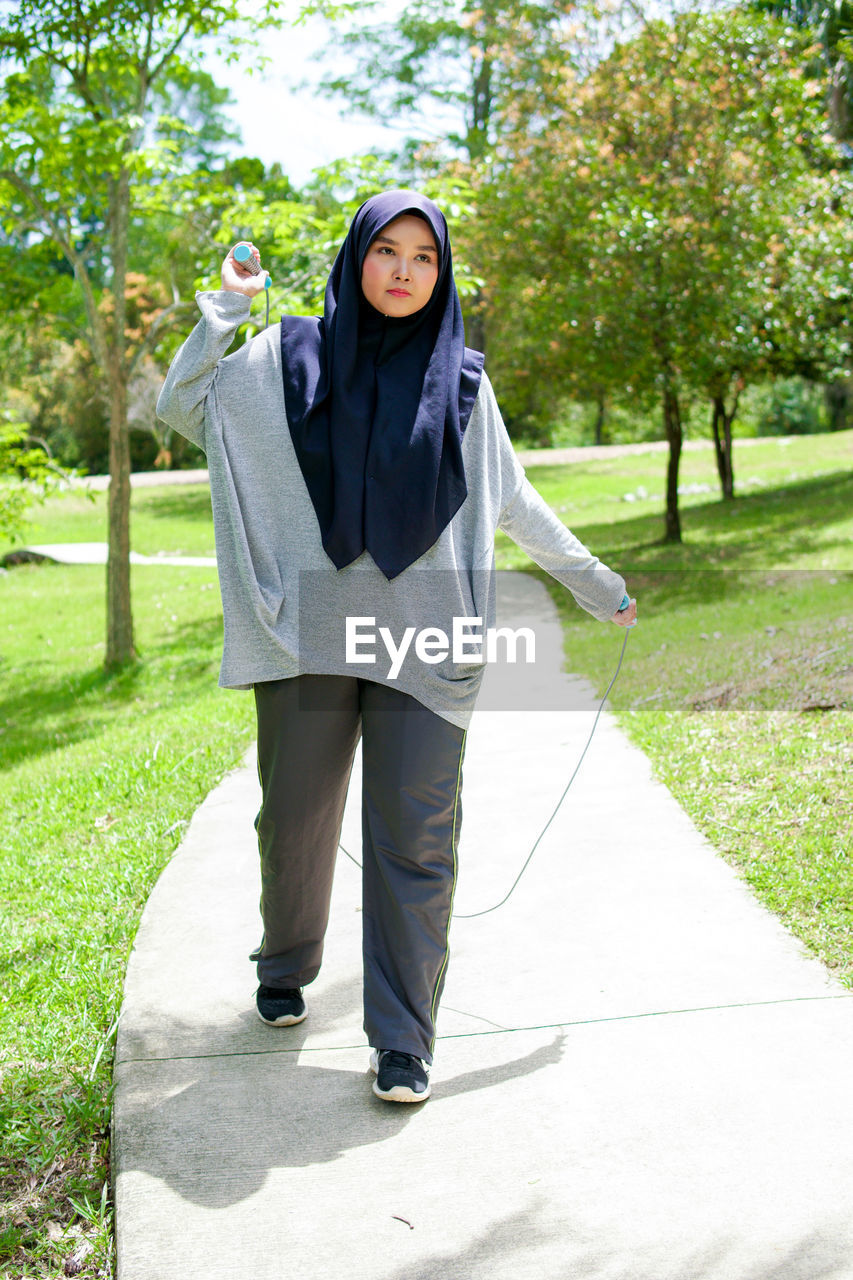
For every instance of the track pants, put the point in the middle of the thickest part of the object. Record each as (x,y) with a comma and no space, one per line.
(308,729)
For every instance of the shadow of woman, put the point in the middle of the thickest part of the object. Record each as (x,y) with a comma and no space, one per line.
(219,1125)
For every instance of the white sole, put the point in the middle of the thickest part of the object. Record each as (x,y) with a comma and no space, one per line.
(400,1093)
(289,1019)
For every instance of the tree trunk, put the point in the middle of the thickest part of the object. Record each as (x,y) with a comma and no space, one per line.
(599,421)
(721,425)
(674,434)
(481,86)
(475,329)
(120,649)
(476,143)
(837,398)
(721,428)
(729,482)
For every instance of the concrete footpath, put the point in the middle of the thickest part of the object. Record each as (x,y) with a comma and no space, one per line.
(639,1074)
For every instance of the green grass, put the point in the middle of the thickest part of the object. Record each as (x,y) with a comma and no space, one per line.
(175,517)
(100,777)
(759,464)
(736,683)
(792,506)
(739,690)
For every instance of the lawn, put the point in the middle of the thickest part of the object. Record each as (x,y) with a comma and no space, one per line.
(100,777)
(737,683)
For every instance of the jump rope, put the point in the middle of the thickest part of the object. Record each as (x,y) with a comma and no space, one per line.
(243,254)
(473,915)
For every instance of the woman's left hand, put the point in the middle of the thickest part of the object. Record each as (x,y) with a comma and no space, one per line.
(628,617)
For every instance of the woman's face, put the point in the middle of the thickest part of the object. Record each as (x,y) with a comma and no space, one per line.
(401,267)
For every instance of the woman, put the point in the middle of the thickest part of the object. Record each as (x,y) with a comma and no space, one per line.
(359,468)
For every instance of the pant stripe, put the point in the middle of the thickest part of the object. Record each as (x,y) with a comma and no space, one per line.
(453,843)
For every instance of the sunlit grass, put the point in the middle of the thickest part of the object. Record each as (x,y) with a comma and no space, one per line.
(100,778)
(176,518)
(738,682)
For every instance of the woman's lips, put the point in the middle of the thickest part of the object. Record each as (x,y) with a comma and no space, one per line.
(399,293)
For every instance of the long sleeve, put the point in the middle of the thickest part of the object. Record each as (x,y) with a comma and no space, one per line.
(526,517)
(531,523)
(193,370)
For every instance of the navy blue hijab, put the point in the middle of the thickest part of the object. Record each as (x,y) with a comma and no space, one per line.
(377,406)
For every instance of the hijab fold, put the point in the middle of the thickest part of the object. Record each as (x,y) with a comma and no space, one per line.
(377,406)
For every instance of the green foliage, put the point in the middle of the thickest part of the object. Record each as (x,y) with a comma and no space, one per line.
(689,234)
(27,475)
(659,200)
(678,225)
(791,406)
(105,106)
(468,60)
(832,23)
(88,145)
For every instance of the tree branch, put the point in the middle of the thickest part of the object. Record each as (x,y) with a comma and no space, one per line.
(151,338)
(169,53)
(75,259)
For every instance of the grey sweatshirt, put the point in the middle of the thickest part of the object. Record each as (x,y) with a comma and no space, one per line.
(287,610)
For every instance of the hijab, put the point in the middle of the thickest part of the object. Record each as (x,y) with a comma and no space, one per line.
(377,406)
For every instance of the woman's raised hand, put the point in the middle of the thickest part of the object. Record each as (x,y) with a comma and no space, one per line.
(238,278)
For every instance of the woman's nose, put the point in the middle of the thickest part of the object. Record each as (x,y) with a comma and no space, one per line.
(402,272)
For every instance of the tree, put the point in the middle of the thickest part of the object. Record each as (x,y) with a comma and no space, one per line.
(832,23)
(453,73)
(830,57)
(85,143)
(635,228)
(464,61)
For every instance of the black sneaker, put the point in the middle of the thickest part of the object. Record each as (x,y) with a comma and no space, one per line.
(278,1007)
(400,1077)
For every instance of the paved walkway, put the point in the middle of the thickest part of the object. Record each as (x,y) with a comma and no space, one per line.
(96,553)
(639,1074)
(527,457)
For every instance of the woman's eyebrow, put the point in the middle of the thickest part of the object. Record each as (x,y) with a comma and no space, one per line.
(429,248)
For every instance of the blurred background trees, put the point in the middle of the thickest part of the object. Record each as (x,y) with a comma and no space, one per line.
(90,151)
(688,243)
(651,211)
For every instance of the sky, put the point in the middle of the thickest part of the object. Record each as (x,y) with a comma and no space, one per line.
(296,127)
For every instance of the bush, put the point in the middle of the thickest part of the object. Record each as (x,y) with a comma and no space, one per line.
(27,475)
(791,407)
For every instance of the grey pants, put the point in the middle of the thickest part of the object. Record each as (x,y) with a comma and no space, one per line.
(308,729)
